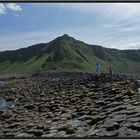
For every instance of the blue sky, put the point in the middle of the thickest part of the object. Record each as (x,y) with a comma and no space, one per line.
(112,25)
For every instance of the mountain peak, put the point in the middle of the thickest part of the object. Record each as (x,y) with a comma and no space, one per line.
(65,37)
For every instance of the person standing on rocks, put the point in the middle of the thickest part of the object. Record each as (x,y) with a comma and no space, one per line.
(98,68)
(110,69)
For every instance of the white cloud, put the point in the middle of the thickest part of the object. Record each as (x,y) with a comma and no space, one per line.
(114,31)
(135,45)
(10,6)
(114,12)
(14,7)
(2,9)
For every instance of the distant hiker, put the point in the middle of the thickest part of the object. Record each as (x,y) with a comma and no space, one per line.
(98,68)
(110,70)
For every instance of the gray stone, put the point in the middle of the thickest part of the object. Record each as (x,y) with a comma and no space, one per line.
(85,117)
(131,112)
(36,132)
(92,131)
(112,134)
(76,123)
(48,135)
(60,134)
(122,132)
(119,118)
(136,103)
(127,124)
(131,133)
(102,132)
(135,126)
(111,125)
(130,107)
(68,128)
(96,119)
(137,119)
(118,108)
(23,135)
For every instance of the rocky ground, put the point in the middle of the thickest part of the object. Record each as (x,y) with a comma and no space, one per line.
(71,105)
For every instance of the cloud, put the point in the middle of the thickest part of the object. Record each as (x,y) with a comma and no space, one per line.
(114,12)
(10,6)
(2,9)
(14,7)
(118,28)
(133,45)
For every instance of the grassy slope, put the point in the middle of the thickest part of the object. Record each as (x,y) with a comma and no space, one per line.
(16,68)
(71,55)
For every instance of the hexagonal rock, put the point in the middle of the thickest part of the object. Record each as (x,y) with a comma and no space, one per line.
(111,125)
(96,119)
(112,133)
(68,128)
(135,126)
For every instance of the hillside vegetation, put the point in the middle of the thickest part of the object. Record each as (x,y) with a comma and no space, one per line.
(69,54)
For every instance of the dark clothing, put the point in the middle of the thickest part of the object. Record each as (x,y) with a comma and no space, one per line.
(110,70)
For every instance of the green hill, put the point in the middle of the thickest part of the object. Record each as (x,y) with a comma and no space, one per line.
(71,55)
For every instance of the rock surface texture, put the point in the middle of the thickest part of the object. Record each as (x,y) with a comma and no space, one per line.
(67,104)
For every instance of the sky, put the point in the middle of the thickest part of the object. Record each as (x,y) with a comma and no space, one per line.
(111,25)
